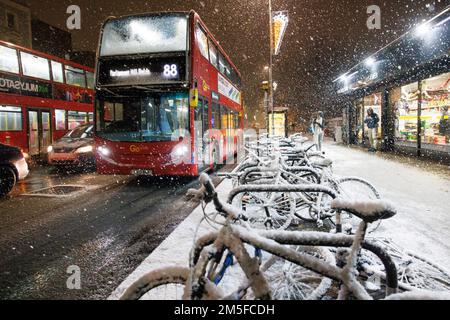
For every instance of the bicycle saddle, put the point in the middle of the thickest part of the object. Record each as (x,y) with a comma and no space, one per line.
(323,162)
(367,210)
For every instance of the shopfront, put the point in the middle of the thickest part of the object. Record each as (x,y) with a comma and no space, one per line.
(407,84)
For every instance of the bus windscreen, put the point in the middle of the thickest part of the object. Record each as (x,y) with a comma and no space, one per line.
(145,34)
(143,118)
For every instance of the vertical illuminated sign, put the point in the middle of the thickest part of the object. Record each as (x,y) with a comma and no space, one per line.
(279,25)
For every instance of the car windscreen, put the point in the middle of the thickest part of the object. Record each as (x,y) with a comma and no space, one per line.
(80,132)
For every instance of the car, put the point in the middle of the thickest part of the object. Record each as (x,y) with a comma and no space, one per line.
(76,148)
(13,167)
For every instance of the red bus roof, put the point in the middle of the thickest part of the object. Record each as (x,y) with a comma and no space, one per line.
(47,56)
(193,13)
(216,42)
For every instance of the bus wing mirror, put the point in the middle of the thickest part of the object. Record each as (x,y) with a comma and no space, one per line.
(193,98)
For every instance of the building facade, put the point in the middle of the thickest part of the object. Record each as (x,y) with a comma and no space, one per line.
(15,23)
(407,83)
(50,39)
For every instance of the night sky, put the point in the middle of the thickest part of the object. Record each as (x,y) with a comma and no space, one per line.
(324,38)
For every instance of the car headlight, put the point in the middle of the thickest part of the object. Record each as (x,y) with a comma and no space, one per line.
(49,149)
(104,151)
(85,149)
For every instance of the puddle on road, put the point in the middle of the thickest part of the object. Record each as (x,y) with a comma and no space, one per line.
(60,191)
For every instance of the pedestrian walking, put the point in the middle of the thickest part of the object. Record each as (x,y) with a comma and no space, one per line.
(318,127)
(372,121)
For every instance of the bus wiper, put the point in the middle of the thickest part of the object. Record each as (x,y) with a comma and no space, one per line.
(110,91)
(141,88)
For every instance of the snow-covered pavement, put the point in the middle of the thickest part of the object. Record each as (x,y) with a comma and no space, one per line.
(420,193)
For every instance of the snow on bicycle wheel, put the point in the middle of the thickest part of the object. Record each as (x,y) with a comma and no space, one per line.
(267,210)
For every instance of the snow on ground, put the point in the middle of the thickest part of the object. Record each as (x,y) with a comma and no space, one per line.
(421,196)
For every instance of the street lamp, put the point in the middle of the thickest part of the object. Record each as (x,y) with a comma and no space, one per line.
(370,62)
(270,68)
(266,88)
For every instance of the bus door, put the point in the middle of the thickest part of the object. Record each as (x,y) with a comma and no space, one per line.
(201,127)
(39,131)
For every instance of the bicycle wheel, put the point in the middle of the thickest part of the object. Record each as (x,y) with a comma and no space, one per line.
(164,284)
(414,270)
(290,281)
(353,188)
(265,208)
(313,206)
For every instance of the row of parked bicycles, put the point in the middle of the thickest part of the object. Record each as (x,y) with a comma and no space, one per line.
(291,229)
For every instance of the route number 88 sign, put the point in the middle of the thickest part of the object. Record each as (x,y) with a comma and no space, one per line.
(170,70)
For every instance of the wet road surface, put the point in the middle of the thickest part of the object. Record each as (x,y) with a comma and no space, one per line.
(106,233)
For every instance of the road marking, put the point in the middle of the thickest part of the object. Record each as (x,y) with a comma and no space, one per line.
(61,191)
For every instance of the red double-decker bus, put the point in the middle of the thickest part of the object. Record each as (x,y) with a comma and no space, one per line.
(168,98)
(41,97)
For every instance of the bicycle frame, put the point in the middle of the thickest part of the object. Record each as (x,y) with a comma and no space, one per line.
(233,238)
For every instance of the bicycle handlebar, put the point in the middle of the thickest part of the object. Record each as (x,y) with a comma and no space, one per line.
(210,194)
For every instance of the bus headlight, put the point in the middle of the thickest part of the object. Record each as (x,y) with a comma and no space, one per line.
(85,149)
(180,154)
(103,151)
(49,149)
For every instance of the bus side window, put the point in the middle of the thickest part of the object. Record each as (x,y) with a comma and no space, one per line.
(9,61)
(213,58)
(202,41)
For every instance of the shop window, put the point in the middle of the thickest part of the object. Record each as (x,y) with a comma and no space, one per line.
(91,117)
(75,76)
(358,119)
(8,60)
(373,101)
(57,71)
(76,118)
(10,118)
(60,119)
(212,54)
(202,41)
(35,66)
(90,80)
(405,102)
(434,118)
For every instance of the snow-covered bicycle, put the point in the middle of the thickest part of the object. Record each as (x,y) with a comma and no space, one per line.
(299,248)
